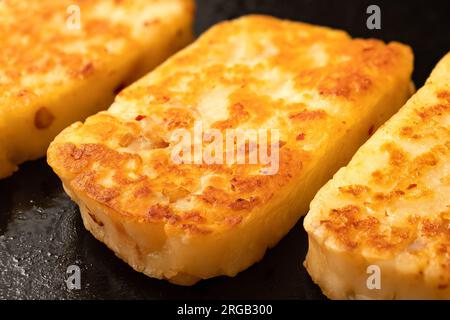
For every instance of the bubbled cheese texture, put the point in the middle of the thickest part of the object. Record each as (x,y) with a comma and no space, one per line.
(53,74)
(390,207)
(322,90)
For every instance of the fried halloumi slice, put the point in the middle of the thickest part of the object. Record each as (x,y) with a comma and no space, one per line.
(61,61)
(321,90)
(381,227)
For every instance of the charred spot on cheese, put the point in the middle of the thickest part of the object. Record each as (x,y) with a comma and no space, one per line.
(194,216)
(175,118)
(308,94)
(435,110)
(445,95)
(345,84)
(389,206)
(355,190)
(160,212)
(397,156)
(244,204)
(53,76)
(214,196)
(408,132)
(249,184)
(308,115)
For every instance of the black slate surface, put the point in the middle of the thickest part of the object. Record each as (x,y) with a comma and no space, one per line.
(41,232)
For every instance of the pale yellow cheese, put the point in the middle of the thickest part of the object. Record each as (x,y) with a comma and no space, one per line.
(61,61)
(386,215)
(323,91)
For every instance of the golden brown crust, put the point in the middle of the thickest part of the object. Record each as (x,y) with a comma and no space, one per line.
(52,53)
(61,61)
(254,72)
(392,201)
(403,178)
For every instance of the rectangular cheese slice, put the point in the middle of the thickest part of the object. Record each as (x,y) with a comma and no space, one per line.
(61,61)
(380,228)
(322,92)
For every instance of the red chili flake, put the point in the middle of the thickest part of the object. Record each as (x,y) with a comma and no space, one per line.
(87,69)
(300,137)
(140,117)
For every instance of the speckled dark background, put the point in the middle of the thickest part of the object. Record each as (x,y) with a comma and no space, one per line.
(41,232)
